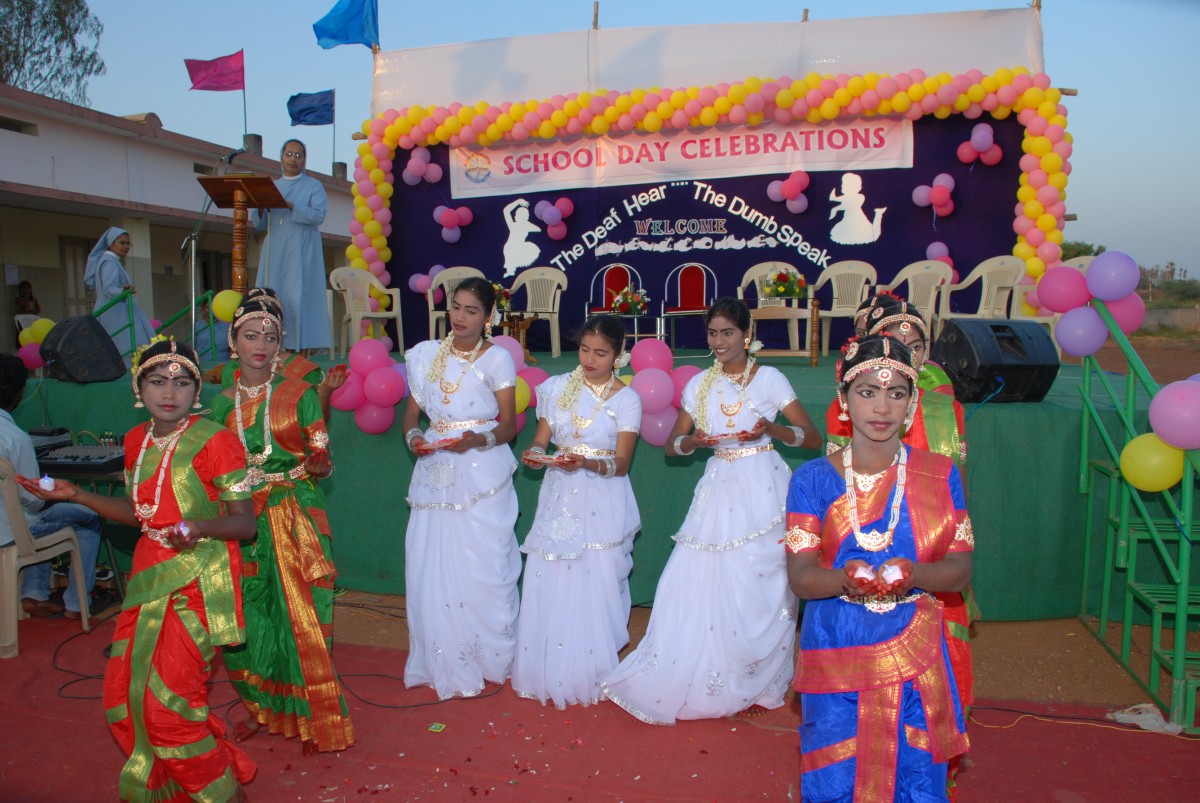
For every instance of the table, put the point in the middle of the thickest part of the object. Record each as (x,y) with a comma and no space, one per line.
(810,312)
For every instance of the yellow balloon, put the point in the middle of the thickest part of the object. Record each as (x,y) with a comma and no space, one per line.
(709,116)
(225,304)
(737,93)
(522,394)
(1052,163)
(722,105)
(1047,223)
(547,129)
(358,263)
(1151,465)
(1026,194)
(600,126)
(1034,209)
(26,336)
(41,327)
(369,162)
(843,97)
(829,108)
(900,103)
(362,214)
(785,98)
(1024,251)
(385,190)
(385,254)
(652,122)
(1035,267)
(372,228)
(353,252)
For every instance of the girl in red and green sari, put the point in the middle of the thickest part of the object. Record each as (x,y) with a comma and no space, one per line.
(187,491)
(284,673)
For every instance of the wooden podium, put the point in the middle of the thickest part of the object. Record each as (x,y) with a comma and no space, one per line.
(241,191)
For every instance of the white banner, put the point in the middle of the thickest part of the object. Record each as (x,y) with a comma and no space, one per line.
(540,166)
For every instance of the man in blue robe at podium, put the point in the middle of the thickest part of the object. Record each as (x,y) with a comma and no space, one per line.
(292,263)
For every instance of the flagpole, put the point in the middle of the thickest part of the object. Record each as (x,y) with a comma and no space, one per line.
(245,125)
(333,144)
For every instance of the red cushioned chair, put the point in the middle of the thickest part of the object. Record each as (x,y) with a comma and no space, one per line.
(688,286)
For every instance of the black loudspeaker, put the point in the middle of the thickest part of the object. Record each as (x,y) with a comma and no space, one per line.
(983,355)
(80,350)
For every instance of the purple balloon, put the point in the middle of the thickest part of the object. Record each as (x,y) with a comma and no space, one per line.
(435,270)
(452,235)
(937,249)
(797,205)
(1080,332)
(775,191)
(409,179)
(1175,414)
(1112,275)
(539,209)
(944,180)
(552,217)
(920,195)
(413,284)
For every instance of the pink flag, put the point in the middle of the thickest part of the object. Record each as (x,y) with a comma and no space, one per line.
(219,75)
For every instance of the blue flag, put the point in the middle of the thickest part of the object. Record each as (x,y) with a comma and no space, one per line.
(350,22)
(311,109)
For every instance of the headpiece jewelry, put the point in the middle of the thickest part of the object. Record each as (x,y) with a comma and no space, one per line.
(906,316)
(176,362)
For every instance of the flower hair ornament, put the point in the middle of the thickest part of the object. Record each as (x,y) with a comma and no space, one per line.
(175,361)
(495,319)
(622,359)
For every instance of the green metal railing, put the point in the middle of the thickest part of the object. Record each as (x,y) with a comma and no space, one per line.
(124,297)
(204,301)
(1129,524)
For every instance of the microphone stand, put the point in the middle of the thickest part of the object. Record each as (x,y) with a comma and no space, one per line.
(187,249)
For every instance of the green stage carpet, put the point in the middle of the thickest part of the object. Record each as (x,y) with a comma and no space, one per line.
(1022,481)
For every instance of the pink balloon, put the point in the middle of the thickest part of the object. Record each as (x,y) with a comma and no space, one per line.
(1175,414)
(1048,195)
(384,216)
(533,377)
(1062,289)
(416,166)
(944,210)
(565,206)
(966,153)
(651,354)
(656,427)
(655,388)
(384,387)
(31,355)
(374,420)
(1129,312)
(350,394)
(433,173)
(1049,251)
(423,283)
(465,215)
(367,355)
(1035,236)
(513,348)
(356,227)
(449,219)
(992,156)
(939,195)
(680,377)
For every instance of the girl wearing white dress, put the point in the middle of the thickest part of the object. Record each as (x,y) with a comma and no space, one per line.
(461,560)
(723,625)
(575,599)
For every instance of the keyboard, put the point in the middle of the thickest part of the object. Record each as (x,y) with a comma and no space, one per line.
(89,459)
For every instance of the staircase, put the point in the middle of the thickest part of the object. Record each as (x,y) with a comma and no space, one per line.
(1147,542)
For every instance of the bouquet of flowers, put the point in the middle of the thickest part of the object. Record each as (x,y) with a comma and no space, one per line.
(503,299)
(785,284)
(630,302)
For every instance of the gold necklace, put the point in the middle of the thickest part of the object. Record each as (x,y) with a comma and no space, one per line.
(601,393)
(450,389)
(254,391)
(730,410)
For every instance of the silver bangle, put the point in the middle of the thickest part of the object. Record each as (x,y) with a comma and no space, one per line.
(612,466)
(799,433)
(490,437)
(678,446)
(413,433)
(537,449)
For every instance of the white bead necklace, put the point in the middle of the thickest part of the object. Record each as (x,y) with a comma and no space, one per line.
(166,445)
(873,540)
(254,460)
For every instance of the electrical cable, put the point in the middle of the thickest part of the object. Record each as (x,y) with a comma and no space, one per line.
(1063,719)
(986,399)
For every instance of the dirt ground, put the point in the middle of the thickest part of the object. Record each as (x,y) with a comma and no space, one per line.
(1168,359)
(1054,661)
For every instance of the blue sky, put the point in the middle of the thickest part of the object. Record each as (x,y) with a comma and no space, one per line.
(1135,164)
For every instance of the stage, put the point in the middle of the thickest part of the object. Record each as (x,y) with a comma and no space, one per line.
(1022,482)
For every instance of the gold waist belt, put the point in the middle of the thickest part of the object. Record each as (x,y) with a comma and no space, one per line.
(882,604)
(587,451)
(442,427)
(729,455)
(293,474)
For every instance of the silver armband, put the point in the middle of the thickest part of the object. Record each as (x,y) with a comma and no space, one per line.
(490,437)
(678,446)
(537,449)
(411,435)
(798,432)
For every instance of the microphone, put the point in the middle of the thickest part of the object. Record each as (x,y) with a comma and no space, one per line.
(234,154)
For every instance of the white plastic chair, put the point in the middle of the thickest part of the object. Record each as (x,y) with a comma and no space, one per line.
(448,280)
(355,286)
(543,296)
(923,279)
(850,281)
(25,320)
(754,276)
(25,550)
(998,276)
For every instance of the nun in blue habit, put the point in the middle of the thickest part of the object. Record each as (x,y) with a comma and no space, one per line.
(291,262)
(106,277)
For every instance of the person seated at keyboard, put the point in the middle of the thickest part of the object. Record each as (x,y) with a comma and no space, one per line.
(17,447)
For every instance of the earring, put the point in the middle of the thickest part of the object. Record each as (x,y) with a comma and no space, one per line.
(746,342)
(137,402)
(487,330)
(196,404)
(843,415)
